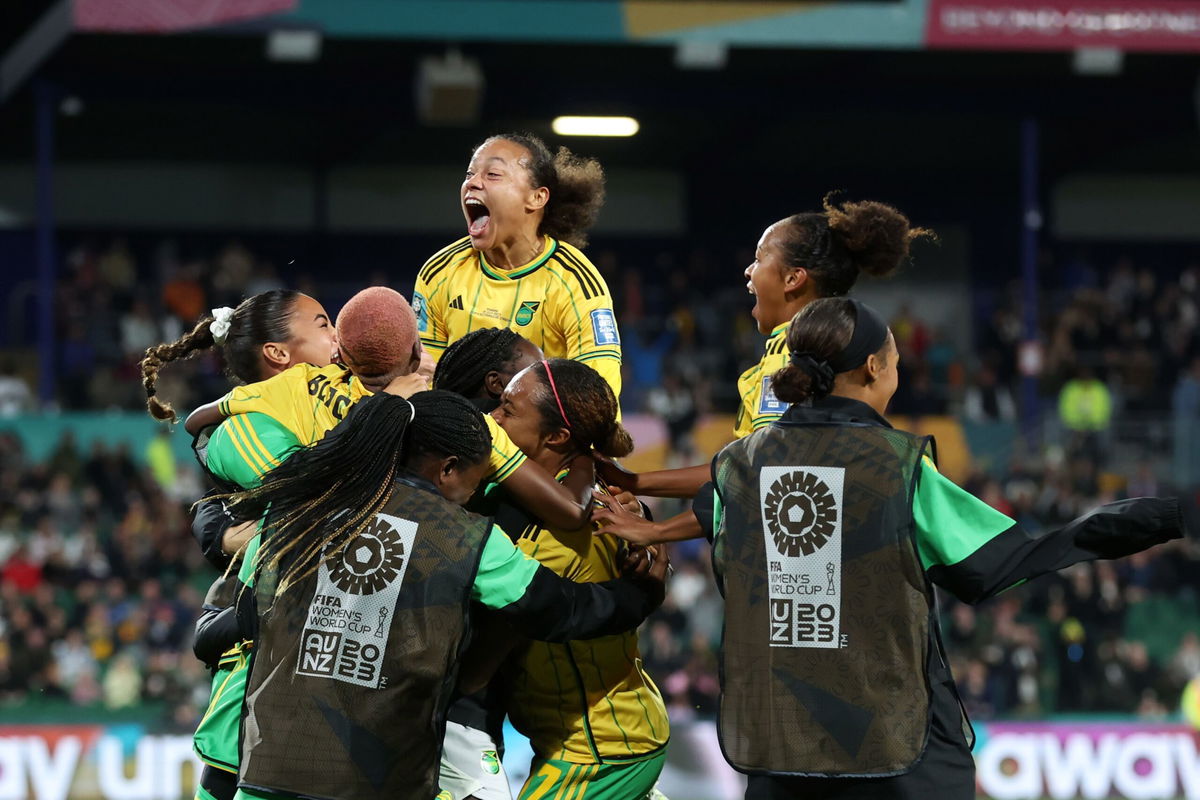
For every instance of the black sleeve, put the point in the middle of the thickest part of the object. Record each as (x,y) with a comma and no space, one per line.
(554,609)
(218,628)
(1114,530)
(209,526)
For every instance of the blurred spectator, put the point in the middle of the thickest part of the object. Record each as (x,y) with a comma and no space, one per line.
(139,330)
(117,270)
(988,401)
(675,404)
(183,295)
(1085,408)
(15,397)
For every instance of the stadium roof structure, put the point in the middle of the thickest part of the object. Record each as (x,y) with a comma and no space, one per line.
(942,123)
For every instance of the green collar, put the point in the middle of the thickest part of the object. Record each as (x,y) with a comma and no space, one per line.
(519,272)
(778,329)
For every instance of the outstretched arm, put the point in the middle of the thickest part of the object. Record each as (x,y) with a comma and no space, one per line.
(683,482)
(976,552)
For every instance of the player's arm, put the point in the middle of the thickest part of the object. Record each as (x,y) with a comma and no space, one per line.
(245,447)
(217,629)
(560,505)
(683,482)
(203,417)
(544,606)
(428,303)
(976,552)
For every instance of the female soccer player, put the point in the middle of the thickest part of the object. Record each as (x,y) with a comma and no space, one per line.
(596,721)
(379,343)
(268,420)
(265,335)
(367,568)
(798,259)
(520,265)
(479,365)
(831,529)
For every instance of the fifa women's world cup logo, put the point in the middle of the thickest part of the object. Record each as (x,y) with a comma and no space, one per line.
(800,512)
(802,540)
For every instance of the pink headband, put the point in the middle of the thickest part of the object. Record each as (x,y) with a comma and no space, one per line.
(554,389)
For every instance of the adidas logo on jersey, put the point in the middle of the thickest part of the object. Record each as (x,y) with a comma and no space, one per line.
(457,303)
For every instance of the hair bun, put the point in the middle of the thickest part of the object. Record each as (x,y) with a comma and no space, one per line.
(819,372)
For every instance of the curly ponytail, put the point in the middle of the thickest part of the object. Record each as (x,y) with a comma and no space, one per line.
(835,245)
(876,235)
(199,339)
(576,185)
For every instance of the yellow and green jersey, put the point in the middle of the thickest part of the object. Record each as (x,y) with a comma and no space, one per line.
(759,406)
(558,301)
(585,702)
(297,407)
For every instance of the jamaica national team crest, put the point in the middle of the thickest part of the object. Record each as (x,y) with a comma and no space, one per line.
(802,529)
(349,619)
(526,311)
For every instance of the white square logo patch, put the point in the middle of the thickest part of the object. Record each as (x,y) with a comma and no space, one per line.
(802,532)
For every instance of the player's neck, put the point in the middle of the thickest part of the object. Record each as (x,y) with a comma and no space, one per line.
(793,302)
(553,460)
(516,252)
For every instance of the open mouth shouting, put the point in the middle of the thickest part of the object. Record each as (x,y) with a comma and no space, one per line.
(478,217)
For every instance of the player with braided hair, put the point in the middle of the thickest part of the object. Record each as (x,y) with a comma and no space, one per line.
(479,365)
(521,266)
(366,553)
(263,336)
(601,731)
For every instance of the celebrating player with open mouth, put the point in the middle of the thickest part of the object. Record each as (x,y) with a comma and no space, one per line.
(520,266)
(798,259)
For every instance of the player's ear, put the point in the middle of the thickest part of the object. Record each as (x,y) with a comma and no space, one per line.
(559,438)
(276,355)
(448,468)
(414,363)
(794,279)
(537,199)
(873,367)
(494,383)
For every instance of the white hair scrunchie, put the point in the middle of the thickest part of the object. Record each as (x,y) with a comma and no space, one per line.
(222,319)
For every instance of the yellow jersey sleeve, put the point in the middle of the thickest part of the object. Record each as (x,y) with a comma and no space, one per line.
(306,400)
(587,319)
(429,297)
(506,457)
(759,407)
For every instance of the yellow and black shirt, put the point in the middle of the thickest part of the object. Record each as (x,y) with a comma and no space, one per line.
(759,406)
(585,702)
(558,301)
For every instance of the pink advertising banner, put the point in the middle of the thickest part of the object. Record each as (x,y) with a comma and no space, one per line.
(167,16)
(1134,25)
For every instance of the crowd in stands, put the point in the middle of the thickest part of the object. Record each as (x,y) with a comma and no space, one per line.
(99,577)
(98,583)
